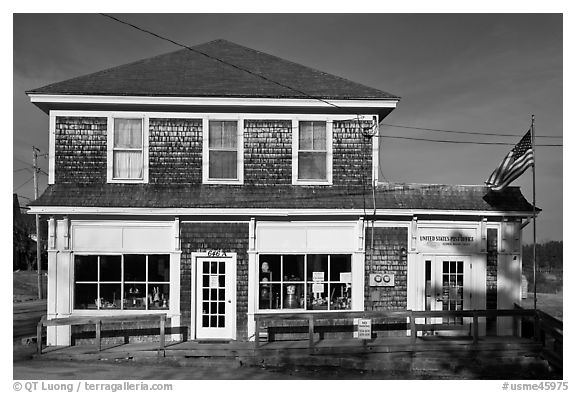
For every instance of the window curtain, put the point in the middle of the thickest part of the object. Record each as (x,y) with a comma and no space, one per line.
(128,164)
(128,133)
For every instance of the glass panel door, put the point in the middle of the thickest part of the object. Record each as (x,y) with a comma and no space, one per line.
(445,288)
(215,302)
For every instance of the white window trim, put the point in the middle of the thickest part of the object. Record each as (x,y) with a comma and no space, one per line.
(305,282)
(206,151)
(122,281)
(329,154)
(110,147)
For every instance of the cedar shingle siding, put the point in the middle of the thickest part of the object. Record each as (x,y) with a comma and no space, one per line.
(352,154)
(230,237)
(386,257)
(175,151)
(80,150)
(268,152)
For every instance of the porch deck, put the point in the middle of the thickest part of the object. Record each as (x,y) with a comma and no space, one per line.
(435,357)
(297,348)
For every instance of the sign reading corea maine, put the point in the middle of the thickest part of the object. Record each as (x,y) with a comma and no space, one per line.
(449,239)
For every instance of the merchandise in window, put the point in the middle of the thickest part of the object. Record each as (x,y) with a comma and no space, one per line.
(311,282)
(121,282)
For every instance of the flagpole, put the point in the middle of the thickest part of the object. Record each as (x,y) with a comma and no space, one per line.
(534,207)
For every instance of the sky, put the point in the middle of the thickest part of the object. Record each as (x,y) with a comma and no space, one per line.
(463,72)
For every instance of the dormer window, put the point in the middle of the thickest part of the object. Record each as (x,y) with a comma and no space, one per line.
(127,150)
(313,153)
(223,154)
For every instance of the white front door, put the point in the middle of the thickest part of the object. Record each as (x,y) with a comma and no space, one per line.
(216,297)
(447,287)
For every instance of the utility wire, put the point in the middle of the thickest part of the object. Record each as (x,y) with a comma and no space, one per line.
(321,99)
(226,63)
(30,167)
(22,196)
(465,132)
(23,184)
(462,142)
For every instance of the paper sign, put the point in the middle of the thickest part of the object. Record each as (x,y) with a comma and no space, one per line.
(317,276)
(364,328)
(346,277)
(214,281)
(317,288)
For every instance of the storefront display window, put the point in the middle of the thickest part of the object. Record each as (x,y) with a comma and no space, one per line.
(121,282)
(310,281)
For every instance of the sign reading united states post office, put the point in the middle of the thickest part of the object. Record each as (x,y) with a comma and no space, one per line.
(447,239)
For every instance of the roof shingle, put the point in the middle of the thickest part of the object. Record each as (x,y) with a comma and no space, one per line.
(390,196)
(199,73)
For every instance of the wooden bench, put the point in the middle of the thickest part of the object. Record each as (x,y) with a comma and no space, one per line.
(98,321)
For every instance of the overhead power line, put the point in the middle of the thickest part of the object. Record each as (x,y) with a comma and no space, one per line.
(464,132)
(460,142)
(23,184)
(227,63)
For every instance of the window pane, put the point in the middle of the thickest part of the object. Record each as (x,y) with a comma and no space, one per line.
(319,141)
(215,134)
(127,165)
(317,268)
(340,264)
(128,133)
(110,296)
(223,165)
(270,267)
(134,267)
(159,268)
(158,296)
(110,268)
(222,135)
(312,166)
(293,267)
(306,136)
(134,296)
(293,295)
(317,296)
(340,296)
(85,268)
(85,296)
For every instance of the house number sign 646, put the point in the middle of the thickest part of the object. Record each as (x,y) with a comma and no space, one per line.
(217,253)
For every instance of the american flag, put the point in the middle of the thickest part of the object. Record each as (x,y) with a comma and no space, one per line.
(520,158)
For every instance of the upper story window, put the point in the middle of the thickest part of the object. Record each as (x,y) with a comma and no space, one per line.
(312,157)
(127,150)
(223,153)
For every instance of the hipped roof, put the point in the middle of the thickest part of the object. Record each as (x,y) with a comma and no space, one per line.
(215,69)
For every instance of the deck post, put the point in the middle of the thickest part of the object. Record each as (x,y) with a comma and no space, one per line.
(537,332)
(39,337)
(162,335)
(412,327)
(475,329)
(311,334)
(98,335)
(256,332)
(515,326)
